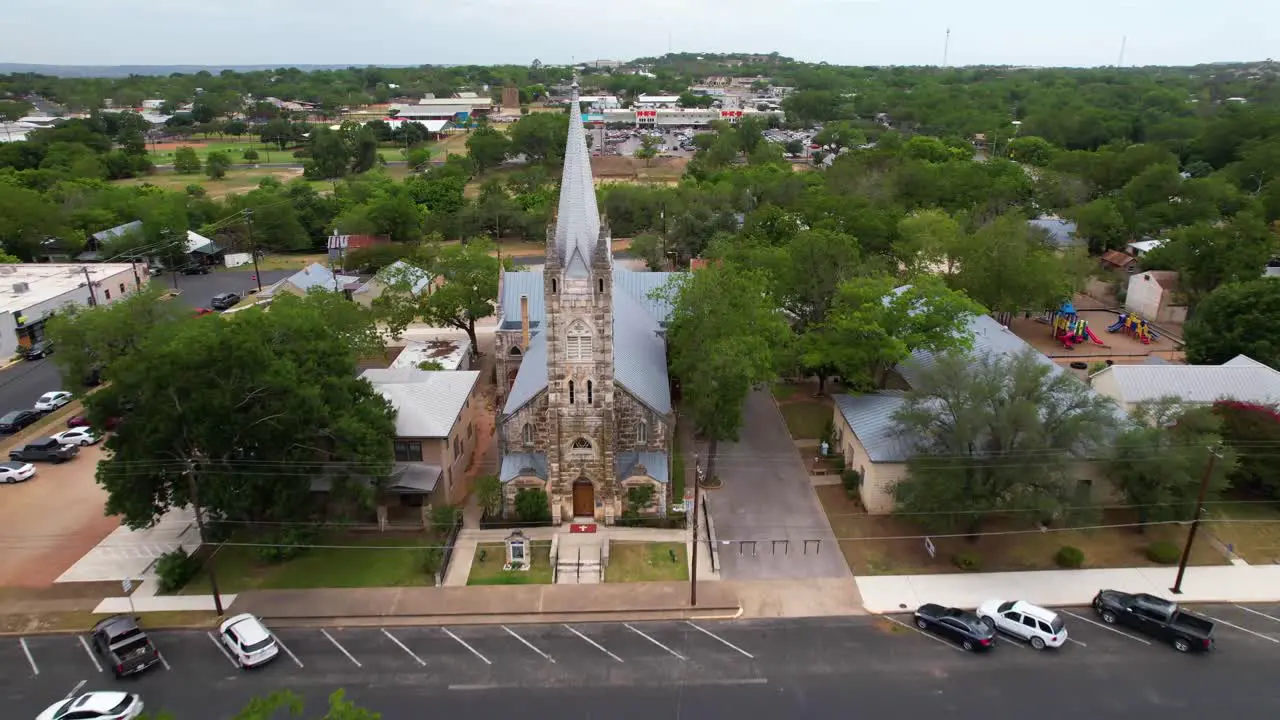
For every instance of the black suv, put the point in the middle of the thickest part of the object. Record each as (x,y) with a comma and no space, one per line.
(44,348)
(44,449)
(224,301)
(195,269)
(14,421)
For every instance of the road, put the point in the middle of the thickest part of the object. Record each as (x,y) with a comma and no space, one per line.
(820,668)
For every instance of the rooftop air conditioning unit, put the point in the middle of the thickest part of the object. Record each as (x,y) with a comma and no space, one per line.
(20,287)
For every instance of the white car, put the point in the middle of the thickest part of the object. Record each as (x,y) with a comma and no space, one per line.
(97,705)
(16,471)
(248,640)
(1042,628)
(80,436)
(51,401)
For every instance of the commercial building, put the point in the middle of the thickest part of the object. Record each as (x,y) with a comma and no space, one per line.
(676,117)
(31,293)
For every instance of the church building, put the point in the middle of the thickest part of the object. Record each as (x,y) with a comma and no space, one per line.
(585,401)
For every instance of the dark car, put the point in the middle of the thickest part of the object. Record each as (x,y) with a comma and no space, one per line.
(960,626)
(121,643)
(224,301)
(14,421)
(1155,617)
(76,421)
(195,270)
(44,449)
(44,348)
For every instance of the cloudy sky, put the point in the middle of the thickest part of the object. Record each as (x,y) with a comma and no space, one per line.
(854,32)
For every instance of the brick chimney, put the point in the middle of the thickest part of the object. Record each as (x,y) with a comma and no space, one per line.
(524,323)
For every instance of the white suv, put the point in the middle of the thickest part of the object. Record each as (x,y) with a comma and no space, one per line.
(248,641)
(1042,628)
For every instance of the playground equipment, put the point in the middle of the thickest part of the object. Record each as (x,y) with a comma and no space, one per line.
(1071,329)
(1135,327)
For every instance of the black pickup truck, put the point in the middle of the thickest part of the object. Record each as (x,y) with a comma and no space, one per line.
(121,643)
(44,449)
(1155,617)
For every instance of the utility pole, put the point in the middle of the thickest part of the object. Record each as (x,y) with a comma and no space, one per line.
(693,569)
(173,270)
(946,48)
(253,248)
(1195,521)
(88,281)
(193,490)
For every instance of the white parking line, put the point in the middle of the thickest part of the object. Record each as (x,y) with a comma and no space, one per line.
(934,638)
(393,639)
(597,645)
(708,633)
(1106,627)
(1244,630)
(464,644)
(76,689)
(1255,612)
(89,652)
(285,648)
(1073,640)
(655,642)
(1012,641)
(27,651)
(163,662)
(528,644)
(222,650)
(339,646)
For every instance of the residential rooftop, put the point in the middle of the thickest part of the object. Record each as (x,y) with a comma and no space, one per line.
(42,282)
(449,352)
(1241,378)
(427,402)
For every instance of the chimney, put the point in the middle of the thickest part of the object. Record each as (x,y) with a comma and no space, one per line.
(524,323)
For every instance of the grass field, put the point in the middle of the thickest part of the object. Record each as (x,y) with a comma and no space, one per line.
(241,180)
(486,566)
(163,154)
(647,562)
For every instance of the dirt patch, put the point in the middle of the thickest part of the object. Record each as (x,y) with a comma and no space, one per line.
(615,167)
(171,146)
(1116,346)
(51,622)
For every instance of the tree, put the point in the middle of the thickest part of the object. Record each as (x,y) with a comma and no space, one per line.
(1252,430)
(794,147)
(186,161)
(839,135)
(98,338)
(1208,255)
(488,147)
(489,495)
(1236,319)
(1008,268)
(540,137)
(291,705)
(1032,150)
(994,433)
(872,327)
(216,164)
(1158,462)
(648,149)
(928,241)
(250,154)
(330,156)
(1102,224)
(806,274)
(236,415)
(725,335)
(468,290)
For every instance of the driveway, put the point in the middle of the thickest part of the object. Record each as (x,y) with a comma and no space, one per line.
(767,497)
(198,290)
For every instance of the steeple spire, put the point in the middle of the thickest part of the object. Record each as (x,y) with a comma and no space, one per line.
(578,218)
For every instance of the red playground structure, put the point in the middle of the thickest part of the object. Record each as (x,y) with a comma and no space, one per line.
(1070,329)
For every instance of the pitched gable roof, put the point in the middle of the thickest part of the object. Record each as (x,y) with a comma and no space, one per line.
(427,402)
(1241,378)
(871,417)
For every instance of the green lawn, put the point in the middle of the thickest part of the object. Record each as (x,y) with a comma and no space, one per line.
(806,420)
(646,562)
(382,560)
(486,567)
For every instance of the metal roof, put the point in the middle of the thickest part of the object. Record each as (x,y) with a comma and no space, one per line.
(637,284)
(989,338)
(1062,233)
(427,402)
(654,464)
(399,272)
(577,218)
(640,354)
(871,417)
(1241,378)
(532,377)
(516,464)
(117,231)
(316,275)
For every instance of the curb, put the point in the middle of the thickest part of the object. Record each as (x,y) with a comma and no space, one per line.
(682,613)
(147,627)
(1088,604)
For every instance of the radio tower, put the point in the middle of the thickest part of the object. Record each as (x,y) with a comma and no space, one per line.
(1124,40)
(946,47)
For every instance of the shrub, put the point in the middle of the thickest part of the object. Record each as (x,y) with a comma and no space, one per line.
(852,480)
(431,560)
(1163,552)
(250,154)
(444,517)
(968,561)
(489,495)
(287,544)
(1069,557)
(175,569)
(532,505)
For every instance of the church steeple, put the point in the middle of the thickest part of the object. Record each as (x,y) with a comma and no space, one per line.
(577,218)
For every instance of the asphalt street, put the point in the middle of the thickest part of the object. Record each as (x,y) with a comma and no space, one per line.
(821,668)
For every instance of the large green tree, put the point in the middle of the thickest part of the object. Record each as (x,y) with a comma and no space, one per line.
(725,335)
(1236,319)
(994,433)
(540,137)
(1208,255)
(467,290)
(238,414)
(103,337)
(1008,267)
(487,147)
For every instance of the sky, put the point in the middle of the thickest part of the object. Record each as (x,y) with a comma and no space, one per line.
(840,32)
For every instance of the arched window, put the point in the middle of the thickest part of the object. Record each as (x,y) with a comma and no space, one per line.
(526,433)
(553,286)
(581,444)
(570,392)
(600,285)
(588,392)
(515,350)
(578,342)
(642,431)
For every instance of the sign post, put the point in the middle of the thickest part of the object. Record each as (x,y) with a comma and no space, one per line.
(127,585)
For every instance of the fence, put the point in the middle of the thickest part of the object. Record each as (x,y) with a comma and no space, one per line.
(450,541)
(713,547)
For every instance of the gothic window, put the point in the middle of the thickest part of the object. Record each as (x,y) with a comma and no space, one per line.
(642,432)
(600,284)
(553,286)
(526,433)
(578,342)
(515,350)
(581,444)
(588,392)
(570,392)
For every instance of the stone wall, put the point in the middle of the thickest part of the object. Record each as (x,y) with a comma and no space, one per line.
(535,414)
(628,413)
(506,363)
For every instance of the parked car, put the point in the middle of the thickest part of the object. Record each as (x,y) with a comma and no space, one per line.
(248,640)
(195,269)
(121,643)
(1042,628)
(224,301)
(45,448)
(12,422)
(51,401)
(80,421)
(97,705)
(78,436)
(93,378)
(959,626)
(203,311)
(44,348)
(1155,617)
(16,472)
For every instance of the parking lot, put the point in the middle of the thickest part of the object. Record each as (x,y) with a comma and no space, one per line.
(198,290)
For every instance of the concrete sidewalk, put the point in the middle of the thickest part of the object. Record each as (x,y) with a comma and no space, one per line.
(1201,584)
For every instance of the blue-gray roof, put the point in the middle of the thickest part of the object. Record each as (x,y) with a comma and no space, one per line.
(989,338)
(654,463)
(317,275)
(516,464)
(1062,233)
(637,284)
(640,354)
(532,377)
(871,417)
(117,231)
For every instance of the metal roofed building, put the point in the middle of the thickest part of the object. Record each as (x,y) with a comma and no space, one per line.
(31,293)
(313,276)
(1241,378)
